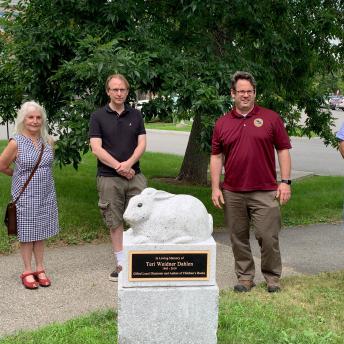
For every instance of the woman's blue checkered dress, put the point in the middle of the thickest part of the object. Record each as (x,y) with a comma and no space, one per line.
(37,216)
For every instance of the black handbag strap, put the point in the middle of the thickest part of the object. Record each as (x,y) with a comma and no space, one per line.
(31,175)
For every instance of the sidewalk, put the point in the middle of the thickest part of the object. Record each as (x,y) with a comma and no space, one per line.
(80,275)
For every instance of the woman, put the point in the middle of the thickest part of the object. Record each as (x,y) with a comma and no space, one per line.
(37,216)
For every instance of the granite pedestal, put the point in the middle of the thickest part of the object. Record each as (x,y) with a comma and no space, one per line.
(171,297)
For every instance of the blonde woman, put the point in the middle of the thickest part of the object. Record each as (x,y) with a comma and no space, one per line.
(37,214)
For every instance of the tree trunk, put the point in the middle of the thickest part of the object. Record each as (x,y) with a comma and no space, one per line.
(195,164)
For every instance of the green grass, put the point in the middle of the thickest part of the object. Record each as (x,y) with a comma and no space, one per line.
(309,310)
(169,126)
(298,132)
(314,199)
(97,328)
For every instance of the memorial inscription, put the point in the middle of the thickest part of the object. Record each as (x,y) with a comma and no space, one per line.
(168,265)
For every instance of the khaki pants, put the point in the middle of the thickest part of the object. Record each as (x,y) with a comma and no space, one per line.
(261,210)
(114,195)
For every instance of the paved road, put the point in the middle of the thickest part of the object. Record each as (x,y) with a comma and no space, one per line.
(311,155)
(3,131)
(81,285)
(308,155)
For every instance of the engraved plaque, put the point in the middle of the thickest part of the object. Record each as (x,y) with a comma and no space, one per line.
(169,265)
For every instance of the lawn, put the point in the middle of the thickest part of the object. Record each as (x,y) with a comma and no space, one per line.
(308,311)
(181,126)
(314,199)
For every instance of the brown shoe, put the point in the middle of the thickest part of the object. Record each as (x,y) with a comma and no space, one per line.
(244,286)
(273,284)
(274,287)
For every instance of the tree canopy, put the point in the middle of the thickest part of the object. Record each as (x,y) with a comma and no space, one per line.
(60,53)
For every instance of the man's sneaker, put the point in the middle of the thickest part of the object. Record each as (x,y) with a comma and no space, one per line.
(274,288)
(114,274)
(273,285)
(244,286)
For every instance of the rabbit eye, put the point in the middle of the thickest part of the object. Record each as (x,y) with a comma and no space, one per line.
(139,205)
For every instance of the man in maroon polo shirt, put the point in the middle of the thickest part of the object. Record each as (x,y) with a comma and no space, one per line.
(244,142)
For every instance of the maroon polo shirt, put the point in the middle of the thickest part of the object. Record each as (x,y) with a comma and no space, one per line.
(248,144)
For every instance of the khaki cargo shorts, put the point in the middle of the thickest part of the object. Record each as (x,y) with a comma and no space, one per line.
(114,194)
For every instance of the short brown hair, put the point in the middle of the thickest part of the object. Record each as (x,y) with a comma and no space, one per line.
(239,75)
(116,76)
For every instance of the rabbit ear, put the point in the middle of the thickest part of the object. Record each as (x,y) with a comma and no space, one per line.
(157,194)
(149,191)
(162,195)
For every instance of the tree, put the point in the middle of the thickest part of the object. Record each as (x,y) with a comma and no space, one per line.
(62,51)
(10,90)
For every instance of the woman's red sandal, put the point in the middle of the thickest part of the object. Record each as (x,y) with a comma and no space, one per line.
(43,282)
(27,284)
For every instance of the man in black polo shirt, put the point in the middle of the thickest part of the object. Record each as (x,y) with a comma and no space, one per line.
(118,140)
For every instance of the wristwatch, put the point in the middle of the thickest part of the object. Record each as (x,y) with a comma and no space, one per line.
(286,181)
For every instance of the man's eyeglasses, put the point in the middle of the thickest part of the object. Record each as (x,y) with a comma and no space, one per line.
(242,92)
(116,90)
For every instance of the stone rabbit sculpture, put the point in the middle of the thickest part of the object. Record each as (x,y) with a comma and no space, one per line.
(157,216)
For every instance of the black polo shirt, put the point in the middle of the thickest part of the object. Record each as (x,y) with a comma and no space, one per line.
(119,134)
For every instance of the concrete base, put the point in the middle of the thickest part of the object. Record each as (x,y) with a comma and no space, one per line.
(169,315)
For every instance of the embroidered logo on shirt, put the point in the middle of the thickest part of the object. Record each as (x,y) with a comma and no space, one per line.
(258,122)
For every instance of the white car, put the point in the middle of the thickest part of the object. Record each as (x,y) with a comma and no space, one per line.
(333,102)
(140,103)
(340,104)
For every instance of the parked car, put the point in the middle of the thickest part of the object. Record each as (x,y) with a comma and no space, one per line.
(140,103)
(334,101)
(340,104)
